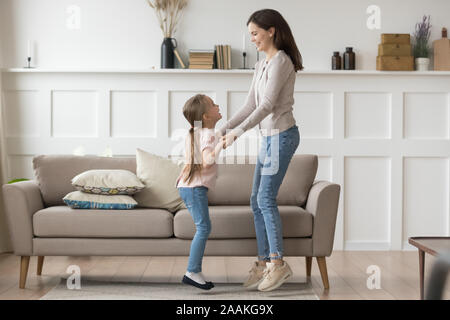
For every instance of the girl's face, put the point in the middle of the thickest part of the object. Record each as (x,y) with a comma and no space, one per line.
(263,39)
(212,111)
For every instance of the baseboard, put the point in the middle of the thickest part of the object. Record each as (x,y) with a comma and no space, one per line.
(408,247)
(367,246)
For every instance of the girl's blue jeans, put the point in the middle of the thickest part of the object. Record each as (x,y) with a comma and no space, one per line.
(196,201)
(273,160)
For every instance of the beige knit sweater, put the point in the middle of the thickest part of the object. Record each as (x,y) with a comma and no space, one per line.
(270,99)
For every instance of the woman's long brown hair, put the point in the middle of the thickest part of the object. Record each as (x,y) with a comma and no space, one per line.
(193,111)
(282,38)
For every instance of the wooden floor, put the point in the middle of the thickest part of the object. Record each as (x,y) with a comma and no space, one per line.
(346,271)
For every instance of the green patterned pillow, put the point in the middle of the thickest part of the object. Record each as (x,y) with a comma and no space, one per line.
(108,182)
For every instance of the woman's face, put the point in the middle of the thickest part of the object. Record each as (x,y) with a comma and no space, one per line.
(263,39)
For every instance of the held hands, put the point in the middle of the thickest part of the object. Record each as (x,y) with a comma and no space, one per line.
(227,140)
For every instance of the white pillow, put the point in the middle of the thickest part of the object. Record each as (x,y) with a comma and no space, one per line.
(108,182)
(81,200)
(159,176)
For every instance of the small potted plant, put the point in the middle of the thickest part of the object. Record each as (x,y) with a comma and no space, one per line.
(421,47)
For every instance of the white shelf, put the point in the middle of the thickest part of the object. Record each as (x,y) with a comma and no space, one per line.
(116,70)
(218,71)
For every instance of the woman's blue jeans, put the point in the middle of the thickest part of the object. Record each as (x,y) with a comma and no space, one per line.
(196,201)
(273,160)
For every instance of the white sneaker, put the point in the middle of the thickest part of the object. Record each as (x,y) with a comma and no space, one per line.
(255,277)
(274,276)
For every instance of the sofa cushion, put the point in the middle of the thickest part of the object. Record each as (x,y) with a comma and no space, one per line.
(233,187)
(228,222)
(62,221)
(235,180)
(55,172)
(159,176)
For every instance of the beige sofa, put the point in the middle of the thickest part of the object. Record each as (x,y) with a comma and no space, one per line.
(42,225)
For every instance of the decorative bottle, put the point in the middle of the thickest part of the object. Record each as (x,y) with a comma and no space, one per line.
(349,59)
(336,61)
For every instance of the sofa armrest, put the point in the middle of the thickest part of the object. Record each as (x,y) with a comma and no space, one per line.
(322,202)
(22,200)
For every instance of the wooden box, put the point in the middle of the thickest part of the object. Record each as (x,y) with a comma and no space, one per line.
(395,63)
(397,38)
(394,49)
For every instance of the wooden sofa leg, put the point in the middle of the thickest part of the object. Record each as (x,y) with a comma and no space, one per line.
(323,271)
(24,263)
(308,266)
(39,265)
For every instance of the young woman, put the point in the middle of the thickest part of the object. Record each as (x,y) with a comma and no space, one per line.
(269,105)
(197,177)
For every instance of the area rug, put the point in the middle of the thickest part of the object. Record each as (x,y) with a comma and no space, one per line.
(108,290)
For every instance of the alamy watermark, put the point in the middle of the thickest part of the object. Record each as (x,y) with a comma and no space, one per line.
(73,21)
(74,280)
(374,20)
(374,280)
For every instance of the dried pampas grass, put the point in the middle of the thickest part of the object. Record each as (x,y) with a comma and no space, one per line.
(168,13)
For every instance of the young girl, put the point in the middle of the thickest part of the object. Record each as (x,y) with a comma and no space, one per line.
(198,176)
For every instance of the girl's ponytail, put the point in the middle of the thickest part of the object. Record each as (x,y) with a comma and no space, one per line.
(192,166)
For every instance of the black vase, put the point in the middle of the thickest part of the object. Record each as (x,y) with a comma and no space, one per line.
(167,55)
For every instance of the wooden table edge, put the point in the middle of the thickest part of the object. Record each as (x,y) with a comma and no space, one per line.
(411,240)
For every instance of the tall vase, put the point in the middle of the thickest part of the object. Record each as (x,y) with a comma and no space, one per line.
(167,55)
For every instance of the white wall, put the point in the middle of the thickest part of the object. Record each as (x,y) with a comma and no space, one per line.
(119,33)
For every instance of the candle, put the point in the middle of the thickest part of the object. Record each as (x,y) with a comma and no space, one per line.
(243,42)
(29,48)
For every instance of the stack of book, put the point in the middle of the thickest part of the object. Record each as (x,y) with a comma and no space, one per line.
(223,56)
(201,59)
